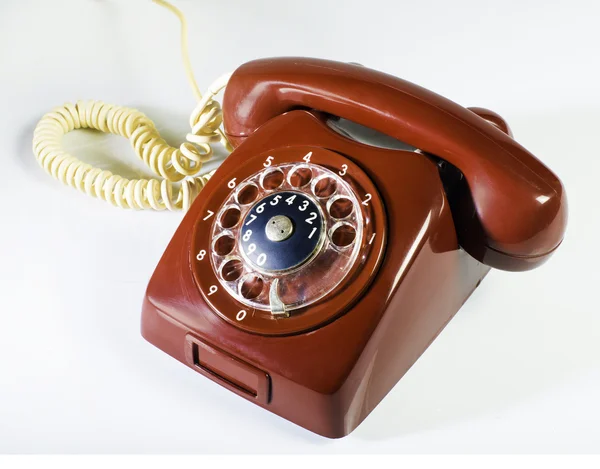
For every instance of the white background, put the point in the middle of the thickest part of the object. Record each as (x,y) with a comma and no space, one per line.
(517,370)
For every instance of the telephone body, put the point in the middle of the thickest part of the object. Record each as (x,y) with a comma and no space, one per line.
(314,269)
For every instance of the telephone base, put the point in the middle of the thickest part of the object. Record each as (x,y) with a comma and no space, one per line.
(326,379)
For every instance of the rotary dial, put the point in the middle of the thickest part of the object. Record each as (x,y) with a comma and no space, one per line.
(286,236)
(286,240)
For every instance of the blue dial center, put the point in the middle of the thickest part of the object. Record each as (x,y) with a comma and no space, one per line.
(281,231)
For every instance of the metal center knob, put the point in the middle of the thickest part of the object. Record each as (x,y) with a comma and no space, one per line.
(279,228)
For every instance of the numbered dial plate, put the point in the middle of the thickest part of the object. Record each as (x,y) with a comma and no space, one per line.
(283,236)
(282,231)
(296,232)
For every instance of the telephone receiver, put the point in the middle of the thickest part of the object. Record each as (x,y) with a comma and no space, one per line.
(518,206)
(315,269)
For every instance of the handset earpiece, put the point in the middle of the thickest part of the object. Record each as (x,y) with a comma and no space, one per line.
(519,207)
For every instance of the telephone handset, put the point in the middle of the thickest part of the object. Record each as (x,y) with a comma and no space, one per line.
(316,269)
(518,204)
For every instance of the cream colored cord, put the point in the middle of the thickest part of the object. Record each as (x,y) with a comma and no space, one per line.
(181,165)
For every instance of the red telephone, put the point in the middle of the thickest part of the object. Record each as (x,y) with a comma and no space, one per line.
(302,280)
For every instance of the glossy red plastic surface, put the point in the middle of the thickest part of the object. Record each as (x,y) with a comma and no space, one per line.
(518,211)
(328,379)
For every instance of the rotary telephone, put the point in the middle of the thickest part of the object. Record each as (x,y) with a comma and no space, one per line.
(303,279)
(320,261)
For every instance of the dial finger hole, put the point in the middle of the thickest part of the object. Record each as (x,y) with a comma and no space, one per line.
(230,217)
(271,180)
(224,244)
(340,208)
(251,286)
(343,235)
(247,194)
(300,176)
(324,187)
(232,270)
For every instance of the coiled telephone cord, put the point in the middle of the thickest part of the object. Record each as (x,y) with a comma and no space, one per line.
(172,165)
